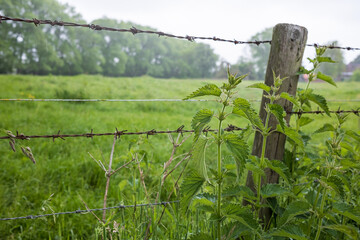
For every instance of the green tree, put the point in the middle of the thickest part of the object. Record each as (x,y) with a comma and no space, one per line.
(355,76)
(334,70)
(260,53)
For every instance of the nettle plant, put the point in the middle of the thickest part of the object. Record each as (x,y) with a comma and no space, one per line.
(317,195)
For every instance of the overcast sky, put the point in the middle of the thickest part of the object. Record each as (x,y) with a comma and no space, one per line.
(326,20)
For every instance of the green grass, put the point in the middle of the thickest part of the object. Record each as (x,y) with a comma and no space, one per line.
(65,169)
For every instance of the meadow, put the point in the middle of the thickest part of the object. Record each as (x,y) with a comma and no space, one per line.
(65,170)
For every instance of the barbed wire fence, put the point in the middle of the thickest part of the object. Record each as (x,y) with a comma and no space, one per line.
(135,31)
(117,133)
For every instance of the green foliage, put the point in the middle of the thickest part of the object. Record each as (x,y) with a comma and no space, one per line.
(355,76)
(199,121)
(44,50)
(262,86)
(208,89)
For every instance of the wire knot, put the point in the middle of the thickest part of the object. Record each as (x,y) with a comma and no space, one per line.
(119,133)
(134,30)
(190,38)
(36,22)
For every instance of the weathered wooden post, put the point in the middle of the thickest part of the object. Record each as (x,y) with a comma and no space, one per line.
(287,49)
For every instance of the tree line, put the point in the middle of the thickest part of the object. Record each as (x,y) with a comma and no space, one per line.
(43,50)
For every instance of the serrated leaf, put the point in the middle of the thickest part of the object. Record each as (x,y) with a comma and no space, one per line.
(280,168)
(239,149)
(199,121)
(326,78)
(349,230)
(290,231)
(326,128)
(262,86)
(273,190)
(337,185)
(303,70)
(320,101)
(198,156)
(325,59)
(292,210)
(293,135)
(240,191)
(242,214)
(347,211)
(243,108)
(353,135)
(191,184)
(254,168)
(205,202)
(290,98)
(207,90)
(305,121)
(278,112)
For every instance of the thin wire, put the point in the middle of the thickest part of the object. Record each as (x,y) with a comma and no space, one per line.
(135,30)
(138,100)
(118,133)
(88,210)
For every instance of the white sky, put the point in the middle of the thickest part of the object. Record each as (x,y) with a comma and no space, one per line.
(326,20)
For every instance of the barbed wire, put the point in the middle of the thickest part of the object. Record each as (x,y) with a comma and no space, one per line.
(118,133)
(132,30)
(88,210)
(135,30)
(356,112)
(137,100)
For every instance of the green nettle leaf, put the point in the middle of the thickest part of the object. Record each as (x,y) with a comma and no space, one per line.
(326,78)
(278,112)
(198,155)
(239,149)
(290,98)
(242,107)
(305,121)
(262,86)
(237,190)
(242,214)
(292,210)
(290,231)
(199,121)
(326,128)
(292,134)
(320,101)
(325,59)
(349,230)
(303,70)
(273,190)
(254,168)
(280,168)
(191,184)
(347,211)
(207,90)
(353,135)
(337,184)
(204,201)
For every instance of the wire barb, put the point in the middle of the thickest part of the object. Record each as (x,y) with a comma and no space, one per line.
(135,31)
(89,210)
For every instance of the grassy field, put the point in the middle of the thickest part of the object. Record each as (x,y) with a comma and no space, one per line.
(65,169)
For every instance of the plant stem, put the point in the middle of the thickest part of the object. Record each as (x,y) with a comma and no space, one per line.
(221,118)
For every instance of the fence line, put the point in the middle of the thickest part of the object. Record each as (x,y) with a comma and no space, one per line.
(88,210)
(117,133)
(134,31)
(137,100)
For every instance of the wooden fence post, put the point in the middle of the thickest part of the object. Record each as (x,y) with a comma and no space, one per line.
(287,49)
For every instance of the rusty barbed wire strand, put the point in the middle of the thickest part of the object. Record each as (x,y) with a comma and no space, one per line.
(136,100)
(356,112)
(118,133)
(89,210)
(135,30)
(132,30)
